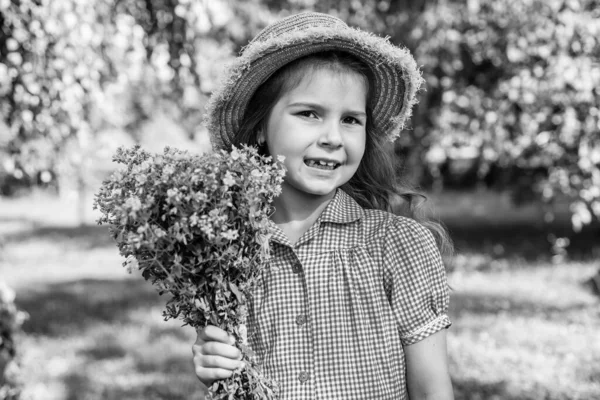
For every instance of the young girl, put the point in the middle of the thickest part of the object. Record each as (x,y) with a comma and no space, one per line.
(354,303)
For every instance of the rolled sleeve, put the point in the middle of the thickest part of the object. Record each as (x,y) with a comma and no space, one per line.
(415,280)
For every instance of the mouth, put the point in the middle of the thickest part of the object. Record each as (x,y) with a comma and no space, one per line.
(322,163)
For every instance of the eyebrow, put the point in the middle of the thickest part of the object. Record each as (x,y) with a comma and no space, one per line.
(357,113)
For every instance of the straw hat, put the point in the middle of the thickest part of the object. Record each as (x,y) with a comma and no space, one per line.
(395,73)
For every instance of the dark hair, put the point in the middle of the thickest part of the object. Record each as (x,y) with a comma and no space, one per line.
(371,185)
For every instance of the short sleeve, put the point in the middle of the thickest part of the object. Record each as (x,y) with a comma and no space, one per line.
(415,280)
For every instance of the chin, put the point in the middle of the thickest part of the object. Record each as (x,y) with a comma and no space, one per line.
(310,190)
(320,191)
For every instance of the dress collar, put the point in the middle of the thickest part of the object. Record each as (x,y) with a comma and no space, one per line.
(342,209)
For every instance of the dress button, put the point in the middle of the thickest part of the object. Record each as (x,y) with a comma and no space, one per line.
(300,320)
(297,267)
(303,377)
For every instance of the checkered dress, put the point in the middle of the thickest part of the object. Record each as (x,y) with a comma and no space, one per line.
(331,315)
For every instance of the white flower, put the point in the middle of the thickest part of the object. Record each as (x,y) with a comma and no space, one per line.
(133,203)
(159,232)
(172,193)
(146,164)
(168,171)
(243,330)
(141,178)
(131,264)
(228,180)
(230,234)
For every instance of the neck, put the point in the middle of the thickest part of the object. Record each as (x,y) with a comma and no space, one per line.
(295,212)
(294,206)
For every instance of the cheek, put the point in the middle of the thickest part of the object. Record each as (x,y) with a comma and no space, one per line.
(278,147)
(358,148)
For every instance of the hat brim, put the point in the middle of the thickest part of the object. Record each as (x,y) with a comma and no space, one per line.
(396,78)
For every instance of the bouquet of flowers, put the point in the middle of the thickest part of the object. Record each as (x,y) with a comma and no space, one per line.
(198,228)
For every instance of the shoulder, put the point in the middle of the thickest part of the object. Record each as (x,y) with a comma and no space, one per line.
(383,226)
(401,243)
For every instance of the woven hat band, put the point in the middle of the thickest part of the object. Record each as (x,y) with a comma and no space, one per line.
(299,22)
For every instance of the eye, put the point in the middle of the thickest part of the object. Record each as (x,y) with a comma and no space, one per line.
(352,121)
(307,114)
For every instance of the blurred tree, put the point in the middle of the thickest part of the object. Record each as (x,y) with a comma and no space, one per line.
(517,86)
(512,87)
(71,69)
(512,92)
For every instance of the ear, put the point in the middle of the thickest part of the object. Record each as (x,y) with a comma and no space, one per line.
(261,138)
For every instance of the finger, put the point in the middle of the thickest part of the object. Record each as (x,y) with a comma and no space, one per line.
(213,333)
(218,362)
(209,375)
(218,349)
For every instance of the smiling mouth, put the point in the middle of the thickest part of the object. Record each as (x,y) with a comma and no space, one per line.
(321,164)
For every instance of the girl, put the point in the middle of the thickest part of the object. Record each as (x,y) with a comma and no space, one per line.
(354,303)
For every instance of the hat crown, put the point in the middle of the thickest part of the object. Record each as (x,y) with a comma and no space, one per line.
(299,22)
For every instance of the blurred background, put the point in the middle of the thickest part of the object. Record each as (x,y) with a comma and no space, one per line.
(505,141)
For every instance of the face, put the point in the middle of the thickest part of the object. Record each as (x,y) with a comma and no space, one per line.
(320,128)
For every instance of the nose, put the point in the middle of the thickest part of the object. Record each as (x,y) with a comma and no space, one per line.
(331,136)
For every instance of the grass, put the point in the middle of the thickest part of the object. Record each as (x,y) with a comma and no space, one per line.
(524,326)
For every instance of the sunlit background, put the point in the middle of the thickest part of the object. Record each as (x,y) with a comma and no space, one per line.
(505,141)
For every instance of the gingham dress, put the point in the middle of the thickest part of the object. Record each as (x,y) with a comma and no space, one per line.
(331,315)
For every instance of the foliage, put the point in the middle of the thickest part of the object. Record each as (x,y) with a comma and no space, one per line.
(11,320)
(71,68)
(517,84)
(198,228)
(511,86)
(51,68)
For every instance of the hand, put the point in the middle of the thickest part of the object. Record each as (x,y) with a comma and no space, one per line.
(215,357)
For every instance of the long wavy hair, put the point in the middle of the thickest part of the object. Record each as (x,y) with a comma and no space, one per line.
(376,183)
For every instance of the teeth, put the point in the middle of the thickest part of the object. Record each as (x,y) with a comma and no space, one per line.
(321,163)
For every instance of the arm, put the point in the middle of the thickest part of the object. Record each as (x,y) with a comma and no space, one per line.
(427,372)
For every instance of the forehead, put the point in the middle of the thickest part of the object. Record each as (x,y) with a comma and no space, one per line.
(319,78)
(297,69)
